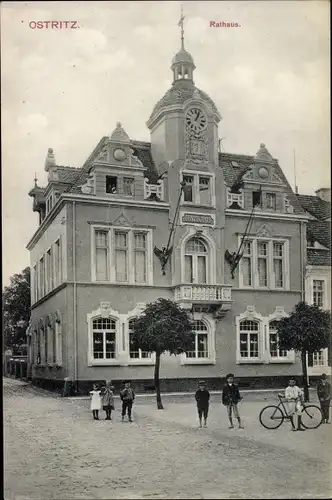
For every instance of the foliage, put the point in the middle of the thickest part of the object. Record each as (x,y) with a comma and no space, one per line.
(306,330)
(16,309)
(162,327)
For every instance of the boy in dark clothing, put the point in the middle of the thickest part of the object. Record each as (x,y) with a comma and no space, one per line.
(324,396)
(230,398)
(202,397)
(127,396)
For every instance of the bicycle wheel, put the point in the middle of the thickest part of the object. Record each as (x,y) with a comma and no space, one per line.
(271,417)
(311,417)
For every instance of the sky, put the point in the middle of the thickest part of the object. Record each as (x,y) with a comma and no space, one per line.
(67,88)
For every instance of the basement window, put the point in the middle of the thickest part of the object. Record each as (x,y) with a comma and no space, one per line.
(111,184)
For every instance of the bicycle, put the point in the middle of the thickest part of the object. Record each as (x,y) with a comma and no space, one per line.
(272,416)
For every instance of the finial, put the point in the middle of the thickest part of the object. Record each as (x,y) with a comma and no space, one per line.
(35,179)
(118,124)
(262,145)
(50,159)
(182,30)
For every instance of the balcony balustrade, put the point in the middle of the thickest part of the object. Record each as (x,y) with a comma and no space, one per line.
(216,298)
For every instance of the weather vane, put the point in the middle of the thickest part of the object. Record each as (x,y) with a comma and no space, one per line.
(182,30)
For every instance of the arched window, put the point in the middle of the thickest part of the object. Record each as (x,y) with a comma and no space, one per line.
(135,353)
(249,339)
(103,338)
(275,352)
(196,261)
(200,341)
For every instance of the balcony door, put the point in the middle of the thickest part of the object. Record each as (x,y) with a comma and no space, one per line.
(196,261)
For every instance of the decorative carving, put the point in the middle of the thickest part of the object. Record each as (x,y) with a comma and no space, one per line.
(154,191)
(88,187)
(235,198)
(196,146)
(264,231)
(105,308)
(197,219)
(249,175)
(289,209)
(276,179)
(280,310)
(122,220)
(103,155)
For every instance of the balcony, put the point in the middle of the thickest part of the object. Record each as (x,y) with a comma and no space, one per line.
(216,299)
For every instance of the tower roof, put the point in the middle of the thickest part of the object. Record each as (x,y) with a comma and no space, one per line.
(181,94)
(182,57)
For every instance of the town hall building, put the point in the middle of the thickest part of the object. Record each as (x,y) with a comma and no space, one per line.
(165,218)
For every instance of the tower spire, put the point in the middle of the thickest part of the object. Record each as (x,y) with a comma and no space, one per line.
(182,30)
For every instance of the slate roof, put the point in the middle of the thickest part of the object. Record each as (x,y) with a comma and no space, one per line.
(317,207)
(143,152)
(318,257)
(235,165)
(319,231)
(68,175)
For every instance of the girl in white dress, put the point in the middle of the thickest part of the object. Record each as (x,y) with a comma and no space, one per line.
(96,402)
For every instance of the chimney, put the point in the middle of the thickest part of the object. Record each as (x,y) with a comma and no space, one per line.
(324,194)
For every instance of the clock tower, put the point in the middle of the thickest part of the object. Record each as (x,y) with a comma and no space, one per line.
(184,146)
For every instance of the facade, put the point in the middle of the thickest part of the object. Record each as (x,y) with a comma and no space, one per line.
(318,267)
(96,257)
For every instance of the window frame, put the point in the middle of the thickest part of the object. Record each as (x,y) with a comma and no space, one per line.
(211,331)
(322,291)
(140,360)
(130,231)
(194,262)
(195,188)
(112,316)
(271,279)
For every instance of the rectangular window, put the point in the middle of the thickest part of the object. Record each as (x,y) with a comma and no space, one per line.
(102,273)
(199,348)
(41,277)
(256,199)
(318,358)
(35,283)
(262,249)
(128,186)
(188,189)
(204,190)
(278,264)
(111,185)
(57,263)
(247,263)
(275,352)
(49,270)
(318,293)
(271,201)
(121,256)
(134,351)
(249,336)
(140,257)
(104,338)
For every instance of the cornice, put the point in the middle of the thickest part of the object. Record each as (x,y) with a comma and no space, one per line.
(267,215)
(92,200)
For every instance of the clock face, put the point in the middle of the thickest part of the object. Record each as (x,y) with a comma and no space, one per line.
(196,120)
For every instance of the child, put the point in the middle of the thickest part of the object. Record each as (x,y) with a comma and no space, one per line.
(127,396)
(324,396)
(95,405)
(294,397)
(230,398)
(108,399)
(202,397)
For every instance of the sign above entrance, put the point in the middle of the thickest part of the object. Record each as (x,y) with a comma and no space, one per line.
(200,219)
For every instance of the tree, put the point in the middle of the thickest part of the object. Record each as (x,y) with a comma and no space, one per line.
(16,309)
(307,330)
(162,327)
